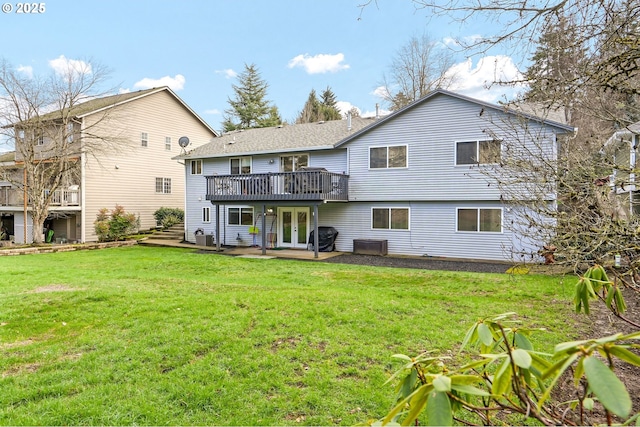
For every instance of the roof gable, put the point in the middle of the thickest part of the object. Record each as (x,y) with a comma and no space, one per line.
(97,105)
(441,92)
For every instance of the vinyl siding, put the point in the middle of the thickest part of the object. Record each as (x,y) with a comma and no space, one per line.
(333,161)
(431,186)
(430,132)
(432,230)
(125,175)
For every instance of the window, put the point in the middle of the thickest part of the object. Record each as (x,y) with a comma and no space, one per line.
(240,165)
(144,139)
(477,152)
(163,185)
(240,216)
(390,218)
(480,220)
(196,167)
(167,143)
(394,156)
(206,214)
(39,137)
(293,163)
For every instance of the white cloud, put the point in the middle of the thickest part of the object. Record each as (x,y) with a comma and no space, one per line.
(213,111)
(479,81)
(319,64)
(123,90)
(344,107)
(26,69)
(228,73)
(175,83)
(381,92)
(64,66)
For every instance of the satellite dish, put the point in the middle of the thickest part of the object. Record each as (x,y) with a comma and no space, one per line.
(183,141)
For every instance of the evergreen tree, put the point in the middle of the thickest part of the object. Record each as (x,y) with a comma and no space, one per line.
(310,111)
(316,110)
(329,106)
(557,65)
(250,108)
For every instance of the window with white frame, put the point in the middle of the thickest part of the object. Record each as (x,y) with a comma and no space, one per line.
(294,162)
(240,216)
(196,167)
(167,143)
(163,185)
(206,214)
(480,220)
(240,165)
(390,218)
(477,152)
(39,137)
(389,157)
(144,139)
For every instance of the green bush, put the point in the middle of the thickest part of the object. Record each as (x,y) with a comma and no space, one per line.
(115,225)
(167,217)
(507,382)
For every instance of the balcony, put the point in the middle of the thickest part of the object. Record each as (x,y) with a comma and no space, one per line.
(14,197)
(65,198)
(311,185)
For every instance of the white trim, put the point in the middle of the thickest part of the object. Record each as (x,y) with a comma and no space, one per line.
(190,167)
(407,208)
(387,146)
(206,209)
(478,231)
(240,208)
(477,142)
(240,165)
(293,155)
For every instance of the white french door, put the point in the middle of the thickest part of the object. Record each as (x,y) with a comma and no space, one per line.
(293,227)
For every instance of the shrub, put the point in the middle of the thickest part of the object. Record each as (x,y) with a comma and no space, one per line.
(167,217)
(507,380)
(115,225)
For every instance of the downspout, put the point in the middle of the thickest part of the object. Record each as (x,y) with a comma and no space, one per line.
(186,216)
(83,192)
(26,198)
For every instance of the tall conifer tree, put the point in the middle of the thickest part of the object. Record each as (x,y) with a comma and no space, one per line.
(250,108)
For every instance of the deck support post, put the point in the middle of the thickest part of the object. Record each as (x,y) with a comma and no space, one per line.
(315,231)
(264,228)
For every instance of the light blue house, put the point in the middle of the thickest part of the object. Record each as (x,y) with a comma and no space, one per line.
(408,183)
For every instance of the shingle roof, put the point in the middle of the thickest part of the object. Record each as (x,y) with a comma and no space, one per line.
(285,138)
(95,105)
(324,135)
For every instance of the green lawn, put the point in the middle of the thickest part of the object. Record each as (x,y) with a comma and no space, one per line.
(160,336)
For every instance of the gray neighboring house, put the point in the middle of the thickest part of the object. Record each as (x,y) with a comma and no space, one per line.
(624,146)
(406,184)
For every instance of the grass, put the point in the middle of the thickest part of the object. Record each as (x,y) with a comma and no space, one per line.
(164,336)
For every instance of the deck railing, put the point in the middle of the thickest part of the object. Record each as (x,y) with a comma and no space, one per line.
(15,197)
(310,185)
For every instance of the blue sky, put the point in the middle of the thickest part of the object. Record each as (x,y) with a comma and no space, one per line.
(197,47)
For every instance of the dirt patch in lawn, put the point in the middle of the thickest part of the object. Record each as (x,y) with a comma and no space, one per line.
(54,288)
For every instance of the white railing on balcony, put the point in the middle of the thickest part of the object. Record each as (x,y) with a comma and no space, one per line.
(65,198)
(15,197)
